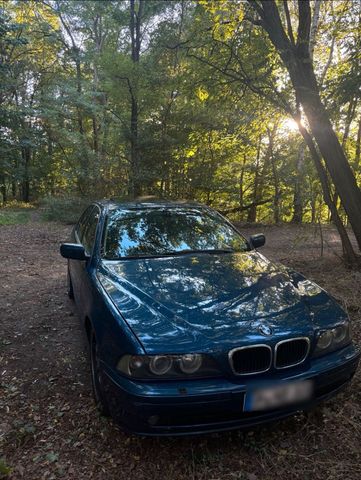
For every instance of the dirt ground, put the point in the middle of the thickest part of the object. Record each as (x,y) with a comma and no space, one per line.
(49,427)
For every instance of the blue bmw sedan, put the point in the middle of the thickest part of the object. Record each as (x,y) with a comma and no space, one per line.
(191,329)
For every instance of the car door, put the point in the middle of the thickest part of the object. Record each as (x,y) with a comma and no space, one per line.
(82,269)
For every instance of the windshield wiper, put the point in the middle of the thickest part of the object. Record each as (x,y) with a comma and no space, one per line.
(204,250)
(172,254)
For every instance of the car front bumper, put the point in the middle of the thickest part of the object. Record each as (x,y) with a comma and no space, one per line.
(200,406)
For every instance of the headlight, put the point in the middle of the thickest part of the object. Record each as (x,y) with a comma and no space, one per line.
(340,333)
(160,365)
(189,365)
(333,339)
(325,340)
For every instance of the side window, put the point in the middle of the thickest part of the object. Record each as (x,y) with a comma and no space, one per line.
(79,229)
(90,229)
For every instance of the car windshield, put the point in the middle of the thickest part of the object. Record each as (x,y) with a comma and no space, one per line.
(154,232)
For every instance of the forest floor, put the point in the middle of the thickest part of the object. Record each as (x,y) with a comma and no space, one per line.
(49,427)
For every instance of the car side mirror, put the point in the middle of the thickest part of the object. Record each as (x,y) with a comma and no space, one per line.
(258,240)
(74,251)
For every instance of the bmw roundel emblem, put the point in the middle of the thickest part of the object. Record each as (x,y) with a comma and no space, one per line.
(265,330)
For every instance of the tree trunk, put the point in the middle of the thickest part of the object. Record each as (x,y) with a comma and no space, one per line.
(135,183)
(260,177)
(135,167)
(313,208)
(84,160)
(50,155)
(25,184)
(349,117)
(358,145)
(99,119)
(277,195)
(241,192)
(297,193)
(314,27)
(277,192)
(300,67)
(3,188)
(347,247)
(252,212)
(336,162)
(74,50)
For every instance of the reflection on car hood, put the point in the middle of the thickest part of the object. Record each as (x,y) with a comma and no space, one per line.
(199,301)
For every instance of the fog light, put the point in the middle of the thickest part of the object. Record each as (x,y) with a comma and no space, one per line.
(153,420)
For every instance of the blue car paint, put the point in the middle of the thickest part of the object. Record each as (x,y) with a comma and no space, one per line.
(205,302)
(199,303)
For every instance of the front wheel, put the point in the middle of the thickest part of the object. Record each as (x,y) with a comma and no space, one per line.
(96,378)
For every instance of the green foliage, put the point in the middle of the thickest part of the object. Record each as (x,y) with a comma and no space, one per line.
(204,87)
(66,209)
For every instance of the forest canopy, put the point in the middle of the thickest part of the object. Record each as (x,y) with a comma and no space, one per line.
(250,107)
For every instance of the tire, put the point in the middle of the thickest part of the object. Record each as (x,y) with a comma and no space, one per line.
(69,291)
(97,388)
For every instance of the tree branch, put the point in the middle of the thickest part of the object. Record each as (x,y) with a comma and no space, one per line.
(314,27)
(288,20)
(245,207)
(128,82)
(304,28)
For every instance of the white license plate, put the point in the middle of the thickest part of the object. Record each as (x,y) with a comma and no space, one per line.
(277,396)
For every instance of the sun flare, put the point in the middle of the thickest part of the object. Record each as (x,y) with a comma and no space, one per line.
(290,125)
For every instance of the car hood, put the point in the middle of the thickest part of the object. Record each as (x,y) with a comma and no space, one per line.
(209,301)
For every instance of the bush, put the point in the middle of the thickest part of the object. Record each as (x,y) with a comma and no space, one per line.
(63,209)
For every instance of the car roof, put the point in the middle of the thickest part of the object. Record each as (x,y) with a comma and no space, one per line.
(147,202)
